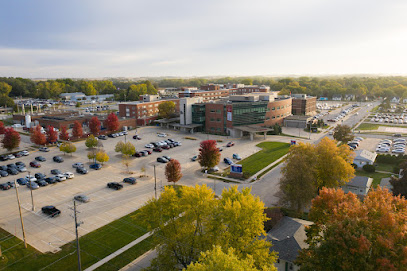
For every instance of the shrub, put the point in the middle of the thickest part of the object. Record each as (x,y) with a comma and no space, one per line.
(190,138)
(396,170)
(369,168)
(354,166)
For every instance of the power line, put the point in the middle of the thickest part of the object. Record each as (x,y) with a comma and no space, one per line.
(58,260)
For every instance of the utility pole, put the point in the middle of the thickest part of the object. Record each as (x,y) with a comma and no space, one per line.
(155,184)
(21,217)
(31,190)
(78,251)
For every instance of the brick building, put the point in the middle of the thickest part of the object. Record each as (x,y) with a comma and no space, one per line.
(304,105)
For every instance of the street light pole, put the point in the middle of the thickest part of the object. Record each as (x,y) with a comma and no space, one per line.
(31,190)
(21,217)
(155,184)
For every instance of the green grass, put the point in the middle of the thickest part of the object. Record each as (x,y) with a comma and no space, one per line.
(377,177)
(94,246)
(271,151)
(384,167)
(374,126)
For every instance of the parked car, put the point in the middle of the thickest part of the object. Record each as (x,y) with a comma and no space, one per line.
(39,176)
(150,146)
(81,170)
(157,149)
(77,165)
(60,177)
(22,181)
(58,159)
(166,147)
(162,134)
(148,151)
(19,163)
(11,184)
(220,149)
(21,168)
(44,149)
(3,158)
(162,160)
(230,144)
(130,180)
(236,156)
(18,155)
(167,157)
(40,159)
(194,158)
(51,211)
(69,175)
(55,171)
(115,185)
(41,183)
(228,161)
(95,166)
(25,153)
(137,154)
(214,169)
(50,180)
(5,186)
(35,164)
(12,171)
(397,135)
(11,157)
(103,137)
(32,185)
(136,137)
(82,198)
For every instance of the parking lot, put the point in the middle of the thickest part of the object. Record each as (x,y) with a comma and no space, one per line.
(47,234)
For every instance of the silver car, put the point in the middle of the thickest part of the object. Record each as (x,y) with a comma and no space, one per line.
(82,198)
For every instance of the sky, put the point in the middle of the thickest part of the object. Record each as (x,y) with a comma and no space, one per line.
(184,38)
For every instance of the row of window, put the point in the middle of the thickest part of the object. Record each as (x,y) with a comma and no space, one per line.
(218,119)
(280,107)
(215,111)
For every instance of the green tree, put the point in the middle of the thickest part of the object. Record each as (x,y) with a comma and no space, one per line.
(233,221)
(87,88)
(125,148)
(166,109)
(343,133)
(78,104)
(91,142)
(5,89)
(216,259)
(349,234)
(67,147)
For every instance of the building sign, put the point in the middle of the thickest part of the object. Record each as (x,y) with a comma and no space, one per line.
(229,113)
(293,142)
(236,169)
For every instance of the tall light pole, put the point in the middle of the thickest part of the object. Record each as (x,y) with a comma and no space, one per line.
(78,250)
(31,190)
(155,184)
(21,217)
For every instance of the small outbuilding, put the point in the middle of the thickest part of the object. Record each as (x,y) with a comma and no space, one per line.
(364,157)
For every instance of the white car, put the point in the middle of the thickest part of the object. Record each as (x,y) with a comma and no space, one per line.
(60,177)
(69,175)
(150,146)
(25,153)
(399,151)
(77,165)
(11,157)
(162,134)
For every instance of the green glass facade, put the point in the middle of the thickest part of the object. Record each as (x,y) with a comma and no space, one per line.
(247,113)
(198,114)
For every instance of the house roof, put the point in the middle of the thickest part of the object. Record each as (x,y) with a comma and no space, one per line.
(72,94)
(365,155)
(337,96)
(288,237)
(360,181)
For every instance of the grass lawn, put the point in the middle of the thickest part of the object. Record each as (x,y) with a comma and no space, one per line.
(271,151)
(384,167)
(377,177)
(94,246)
(374,126)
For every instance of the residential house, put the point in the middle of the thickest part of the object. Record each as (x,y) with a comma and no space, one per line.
(359,185)
(350,97)
(288,238)
(395,100)
(364,157)
(337,98)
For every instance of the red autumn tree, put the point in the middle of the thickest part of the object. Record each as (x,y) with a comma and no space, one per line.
(173,171)
(350,234)
(2,128)
(209,155)
(112,122)
(77,129)
(64,135)
(11,139)
(52,135)
(37,137)
(94,125)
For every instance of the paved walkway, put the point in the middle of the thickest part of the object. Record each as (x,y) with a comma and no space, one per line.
(141,262)
(118,252)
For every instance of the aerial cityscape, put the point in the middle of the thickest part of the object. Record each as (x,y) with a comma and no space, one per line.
(219,135)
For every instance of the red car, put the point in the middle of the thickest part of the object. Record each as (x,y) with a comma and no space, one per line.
(166,147)
(35,164)
(149,151)
(230,144)
(157,149)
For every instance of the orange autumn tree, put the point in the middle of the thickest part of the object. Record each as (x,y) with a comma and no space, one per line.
(350,234)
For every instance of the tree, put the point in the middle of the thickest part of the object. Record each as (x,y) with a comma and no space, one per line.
(233,221)
(209,155)
(67,147)
(94,125)
(349,234)
(77,129)
(91,155)
(173,171)
(91,142)
(63,135)
(216,259)
(5,89)
(125,148)
(399,185)
(11,139)
(37,137)
(343,133)
(2,128)
(52,135)
(78,104)
(112,122)
(308,168)
(102,157)
(166,109)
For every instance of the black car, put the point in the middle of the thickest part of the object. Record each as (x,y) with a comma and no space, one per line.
(58,159)
(3,158)
(11,166)
(96,166)
(22,181)
(40,159)
(11,184)
(40,176)
(103,137)
(136,137)
(162,160)
(12,171)
(158,149)
(21,164)
(3,173)
(130,180)
(3,167)
(50,180)
(81,170)
(41,182)
(110,135)
(115,185)
(5,186)
(55,171)
(228,161)
(51,211)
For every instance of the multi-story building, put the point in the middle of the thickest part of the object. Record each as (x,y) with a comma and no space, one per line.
(144,112)
(303,104)
(206,95)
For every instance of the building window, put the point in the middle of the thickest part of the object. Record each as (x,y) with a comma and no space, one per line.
(212,119)
(218,119)
(218,111)
(273,108)
(212,128)
(278,107)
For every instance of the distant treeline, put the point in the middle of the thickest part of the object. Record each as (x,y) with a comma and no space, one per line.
(131,90)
